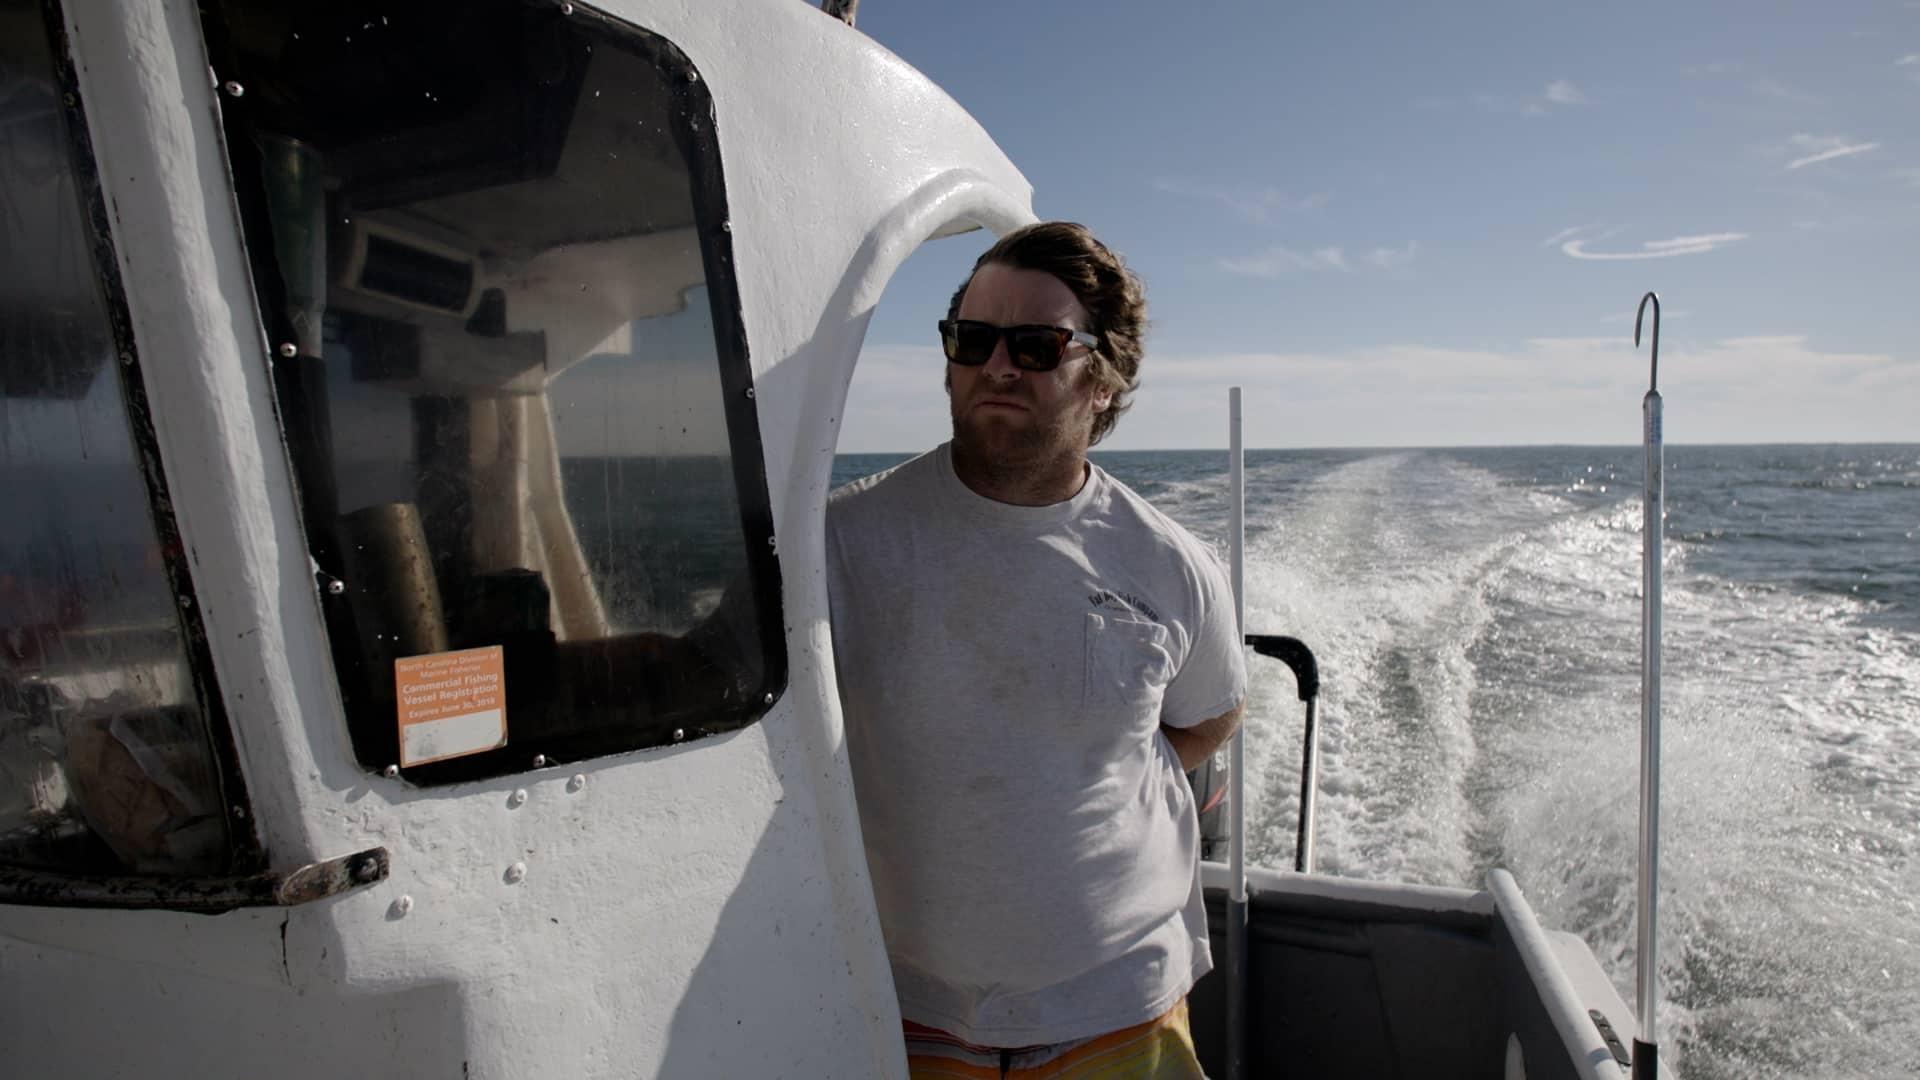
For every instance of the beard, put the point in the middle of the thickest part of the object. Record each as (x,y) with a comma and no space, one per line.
(1012,446)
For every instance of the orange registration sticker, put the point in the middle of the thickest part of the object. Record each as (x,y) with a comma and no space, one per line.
(451,704)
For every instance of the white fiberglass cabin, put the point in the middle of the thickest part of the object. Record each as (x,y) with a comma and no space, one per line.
(415,427)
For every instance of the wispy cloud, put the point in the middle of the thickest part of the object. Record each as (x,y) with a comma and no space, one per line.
(1658,249)
(1908,60)
(1569,233)
(1280,261)
(1558,94)
(1574,243)
(1627,317)
(1759,85)
(1773,88)
(1563,92)
(1388,258)
(1717,67)
(1815,149)
(1255,204)
(1829,223)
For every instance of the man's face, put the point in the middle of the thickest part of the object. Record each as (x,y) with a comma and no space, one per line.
(1009,415)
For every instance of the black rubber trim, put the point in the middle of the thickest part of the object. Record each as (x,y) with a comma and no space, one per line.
(1294,653)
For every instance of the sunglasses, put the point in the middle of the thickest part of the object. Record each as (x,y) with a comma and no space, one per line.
(970,343)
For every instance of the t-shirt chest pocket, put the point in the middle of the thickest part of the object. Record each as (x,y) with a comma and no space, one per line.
(1128,665)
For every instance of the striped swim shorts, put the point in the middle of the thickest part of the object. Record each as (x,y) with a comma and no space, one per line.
(1160,1049)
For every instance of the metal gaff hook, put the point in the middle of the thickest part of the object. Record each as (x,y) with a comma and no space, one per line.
(1653,379)
(1646,1046)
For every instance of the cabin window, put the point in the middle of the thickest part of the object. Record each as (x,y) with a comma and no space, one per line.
(490,242)
(108,759)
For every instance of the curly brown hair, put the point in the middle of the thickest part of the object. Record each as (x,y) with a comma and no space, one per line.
(1115,300)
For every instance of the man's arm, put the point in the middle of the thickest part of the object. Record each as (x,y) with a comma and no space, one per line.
(1195,743)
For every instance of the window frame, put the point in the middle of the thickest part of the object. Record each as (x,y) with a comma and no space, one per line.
(246,858)
(300,408)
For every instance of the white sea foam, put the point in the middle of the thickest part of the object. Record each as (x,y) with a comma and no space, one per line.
(1479,646)
(1788,827)
(1352,565)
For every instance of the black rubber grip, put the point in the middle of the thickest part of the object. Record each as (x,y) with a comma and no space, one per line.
(1646,1061)
(1294,653)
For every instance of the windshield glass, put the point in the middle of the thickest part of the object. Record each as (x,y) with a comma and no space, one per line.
(514,388)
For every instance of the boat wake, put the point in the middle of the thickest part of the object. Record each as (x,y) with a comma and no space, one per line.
(1479,640)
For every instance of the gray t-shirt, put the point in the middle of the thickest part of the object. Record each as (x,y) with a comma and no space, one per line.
(1004,672)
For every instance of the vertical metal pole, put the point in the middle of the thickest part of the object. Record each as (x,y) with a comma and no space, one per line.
(1309,766)
(1647,975)
(1646,1045)
(1237,773)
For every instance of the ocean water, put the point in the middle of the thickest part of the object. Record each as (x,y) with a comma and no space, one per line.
(1476,615)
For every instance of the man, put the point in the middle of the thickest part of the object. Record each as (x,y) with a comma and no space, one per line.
(1030,655)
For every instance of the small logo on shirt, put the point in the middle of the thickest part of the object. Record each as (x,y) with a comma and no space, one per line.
(1121,601)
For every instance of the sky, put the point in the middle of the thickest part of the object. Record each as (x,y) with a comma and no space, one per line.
(1429,224)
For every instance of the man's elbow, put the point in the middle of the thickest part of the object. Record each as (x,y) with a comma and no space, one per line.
(1195,744)
(1224,725)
